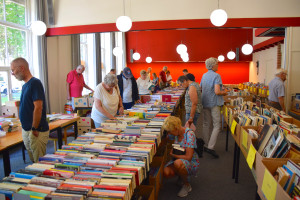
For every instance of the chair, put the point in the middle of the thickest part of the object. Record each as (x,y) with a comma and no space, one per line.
(67,132)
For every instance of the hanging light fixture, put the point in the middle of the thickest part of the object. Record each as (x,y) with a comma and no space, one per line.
(218,17)
(186,59)
(136,56)
(247,49)
(221,58)
(181,48)
(230,55)
(184,55)
(117,51)
(38,28)
(148,59)
(124,22)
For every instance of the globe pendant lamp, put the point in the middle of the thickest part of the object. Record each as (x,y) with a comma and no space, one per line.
(136,56)
(221,58)
(230,55)
(184,55)
(38,28)
(181,48)
(124,23)
(218,17)
(148,59)
(117,51)
(247,49)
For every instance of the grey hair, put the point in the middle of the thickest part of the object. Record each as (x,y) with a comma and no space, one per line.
(80,66)
(143,72)
(210,62)
(110,79)
(280,71)
(165,68)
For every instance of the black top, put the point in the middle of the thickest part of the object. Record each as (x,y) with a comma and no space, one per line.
(135,91)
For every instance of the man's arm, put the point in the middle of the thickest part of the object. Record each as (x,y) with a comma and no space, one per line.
(87,87)
(37,115)
(281,102)
(68,91)
(194,99)
(220,92)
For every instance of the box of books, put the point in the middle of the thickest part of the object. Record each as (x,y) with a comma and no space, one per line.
(81,102)
(10,111)
(248,136)
(91,101)
(83,129)
(278,179)
(84,121)
(144,192)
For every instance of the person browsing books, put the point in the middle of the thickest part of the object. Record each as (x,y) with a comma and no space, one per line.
(35,128)
(182,165)
(276,90)
(107,100)
(212,101)
(143,83)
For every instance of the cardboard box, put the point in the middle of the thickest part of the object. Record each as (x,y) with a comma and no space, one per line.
(10,111)
(83,129)
(296,105)
(271,165)
(156,180)
(81,102)
(13,103)
(85,121)
(90,101)
(245,148)
(144,192)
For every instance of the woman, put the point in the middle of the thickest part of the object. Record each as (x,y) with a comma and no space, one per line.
(169,77)
(143,83)
(193,102)
(107,100)
(155,82)
(149,73)
(181,165)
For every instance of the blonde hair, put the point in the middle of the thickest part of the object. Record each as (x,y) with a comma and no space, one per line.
(171,123)
(143,72)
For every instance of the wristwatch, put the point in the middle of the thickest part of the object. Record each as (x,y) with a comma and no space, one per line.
(33,129)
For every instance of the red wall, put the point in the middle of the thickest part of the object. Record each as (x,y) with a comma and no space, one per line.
(201,43)
(231,72)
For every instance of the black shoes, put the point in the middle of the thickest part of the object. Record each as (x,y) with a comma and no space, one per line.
(211,152)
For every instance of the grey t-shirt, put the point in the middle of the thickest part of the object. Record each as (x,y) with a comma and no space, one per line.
(188,102)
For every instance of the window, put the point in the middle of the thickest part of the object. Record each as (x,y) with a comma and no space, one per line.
(106,53)
(120,59)
(13,43)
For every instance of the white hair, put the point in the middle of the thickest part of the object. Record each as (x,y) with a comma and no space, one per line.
(211,62)
(80,66)
(280,71)
(165,68)
(110,79)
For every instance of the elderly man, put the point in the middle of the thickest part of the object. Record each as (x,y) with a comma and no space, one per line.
(163,78)
(75,82)
(276,90)
(35,129)
(212,100)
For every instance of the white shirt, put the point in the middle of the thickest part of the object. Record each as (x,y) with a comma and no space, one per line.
(169,77)
(109,102)
(127,90)
(143,85)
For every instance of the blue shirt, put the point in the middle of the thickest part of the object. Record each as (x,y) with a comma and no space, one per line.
(276,89)
(209,97)
(32,91)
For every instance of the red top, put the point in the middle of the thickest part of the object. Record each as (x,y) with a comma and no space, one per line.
(76,82)
(163,76)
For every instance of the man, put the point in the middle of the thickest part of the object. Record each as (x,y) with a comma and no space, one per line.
(128,88)
(75,83)
(212,101)
(35,129)
(163,78)
(190,76)
(276,90)
(113,71)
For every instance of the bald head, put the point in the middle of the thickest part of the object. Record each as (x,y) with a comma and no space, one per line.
(20,69)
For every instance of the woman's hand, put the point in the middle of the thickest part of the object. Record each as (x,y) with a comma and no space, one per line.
(121,110)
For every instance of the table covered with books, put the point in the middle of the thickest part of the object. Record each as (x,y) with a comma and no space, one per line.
(269,141)
(115,161)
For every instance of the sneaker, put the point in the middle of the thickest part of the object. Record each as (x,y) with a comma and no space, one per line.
(211,152)
(184,191)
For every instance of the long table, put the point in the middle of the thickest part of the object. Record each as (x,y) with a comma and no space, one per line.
(14,139)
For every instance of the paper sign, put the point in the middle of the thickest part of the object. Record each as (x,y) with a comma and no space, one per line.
(251,156)
(269,186)
(2,197)
(233,125)
(259,91)
(268,92)
(263,92)
(225,111)
(245,139)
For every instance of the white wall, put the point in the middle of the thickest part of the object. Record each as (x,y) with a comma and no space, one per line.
(292,63)
(82,12)
(59,65)
(267,66)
